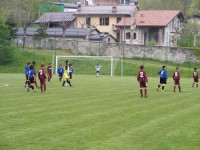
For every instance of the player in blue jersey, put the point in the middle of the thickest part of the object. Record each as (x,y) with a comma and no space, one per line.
(31,77)
(60,72)
(71,70)
(26,70)
(163,78)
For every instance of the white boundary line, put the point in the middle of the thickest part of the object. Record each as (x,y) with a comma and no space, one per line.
(3,85)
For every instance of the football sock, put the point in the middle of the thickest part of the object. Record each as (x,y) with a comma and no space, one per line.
(163,87)
(63,83)
(145,92)
(44,87)
(179,87)
(141,94)
(158,85)
(197,85)
(174,88)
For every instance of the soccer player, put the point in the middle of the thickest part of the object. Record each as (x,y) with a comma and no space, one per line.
(66,64)
(60,72)
(163,78)
(142,79)
(195,77)
(33,64)
(31,77)
(98,68)
(176,77)
(42,78)
(49,72)
(71,70)
(26,70)
(66,78)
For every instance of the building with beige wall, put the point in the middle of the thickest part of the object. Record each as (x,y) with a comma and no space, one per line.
(104,17)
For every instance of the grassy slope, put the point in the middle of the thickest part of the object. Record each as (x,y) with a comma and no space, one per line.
(98,114)
(130,66)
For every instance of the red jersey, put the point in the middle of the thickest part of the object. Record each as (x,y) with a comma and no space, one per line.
(195,75)
(41,73)
(176,75)
(141,75)
(49,69)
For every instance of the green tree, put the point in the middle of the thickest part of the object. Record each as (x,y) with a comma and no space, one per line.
(6,51)
(194,8)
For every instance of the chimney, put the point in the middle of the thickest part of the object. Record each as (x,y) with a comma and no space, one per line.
(114,9)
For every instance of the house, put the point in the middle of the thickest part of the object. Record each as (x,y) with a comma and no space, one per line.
(68,7)
(159,26)
(103,17)
(113,2)
(53,19)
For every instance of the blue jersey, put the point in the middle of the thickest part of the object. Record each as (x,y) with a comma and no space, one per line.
(26,69)
(163,74)
(31,73)
(71,70)
(60,70)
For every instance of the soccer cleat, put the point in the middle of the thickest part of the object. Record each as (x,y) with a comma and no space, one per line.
(162,90)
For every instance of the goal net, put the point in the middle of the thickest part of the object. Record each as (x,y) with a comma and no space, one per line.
(86,64)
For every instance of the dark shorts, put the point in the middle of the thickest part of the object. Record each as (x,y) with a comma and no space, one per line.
(60,75)
(26,76)
(196,80)
(143,83)
(163,81)
(42,80)
(176,82)
(32,80)
(70,75)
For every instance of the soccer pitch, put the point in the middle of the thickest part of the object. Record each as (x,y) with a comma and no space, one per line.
(98,113)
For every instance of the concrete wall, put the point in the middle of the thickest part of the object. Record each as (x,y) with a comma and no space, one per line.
(96,48)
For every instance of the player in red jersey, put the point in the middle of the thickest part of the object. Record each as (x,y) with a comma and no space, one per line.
(195,77)
(49,72)
(142,79)
(42,78)
(176,78)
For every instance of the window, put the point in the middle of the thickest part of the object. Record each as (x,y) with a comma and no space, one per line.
(128,35)
(88,22)
(118,19)
(104,21)
(134,35)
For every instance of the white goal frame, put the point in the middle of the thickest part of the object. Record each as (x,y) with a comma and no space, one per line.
(97,57)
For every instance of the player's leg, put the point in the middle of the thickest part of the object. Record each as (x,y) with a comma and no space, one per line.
(179,86)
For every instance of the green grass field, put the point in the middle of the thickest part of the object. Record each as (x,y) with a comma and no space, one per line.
(104,113)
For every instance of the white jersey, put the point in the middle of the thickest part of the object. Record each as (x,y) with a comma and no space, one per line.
(98,68)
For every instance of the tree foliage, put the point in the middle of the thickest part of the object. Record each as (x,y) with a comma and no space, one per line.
(6,52)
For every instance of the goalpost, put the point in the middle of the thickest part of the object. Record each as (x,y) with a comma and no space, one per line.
(94,58)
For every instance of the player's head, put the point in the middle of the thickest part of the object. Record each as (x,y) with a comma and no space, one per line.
(177,68)
(141,66)
(163,67)
(42,65)
(195,69)
(28,63)
(31,66)
(70,65)
(33,62)
(66,61)
(60,65)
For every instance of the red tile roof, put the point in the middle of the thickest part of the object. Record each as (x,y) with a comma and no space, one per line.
(124,22)
(151,18)
(155,17)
